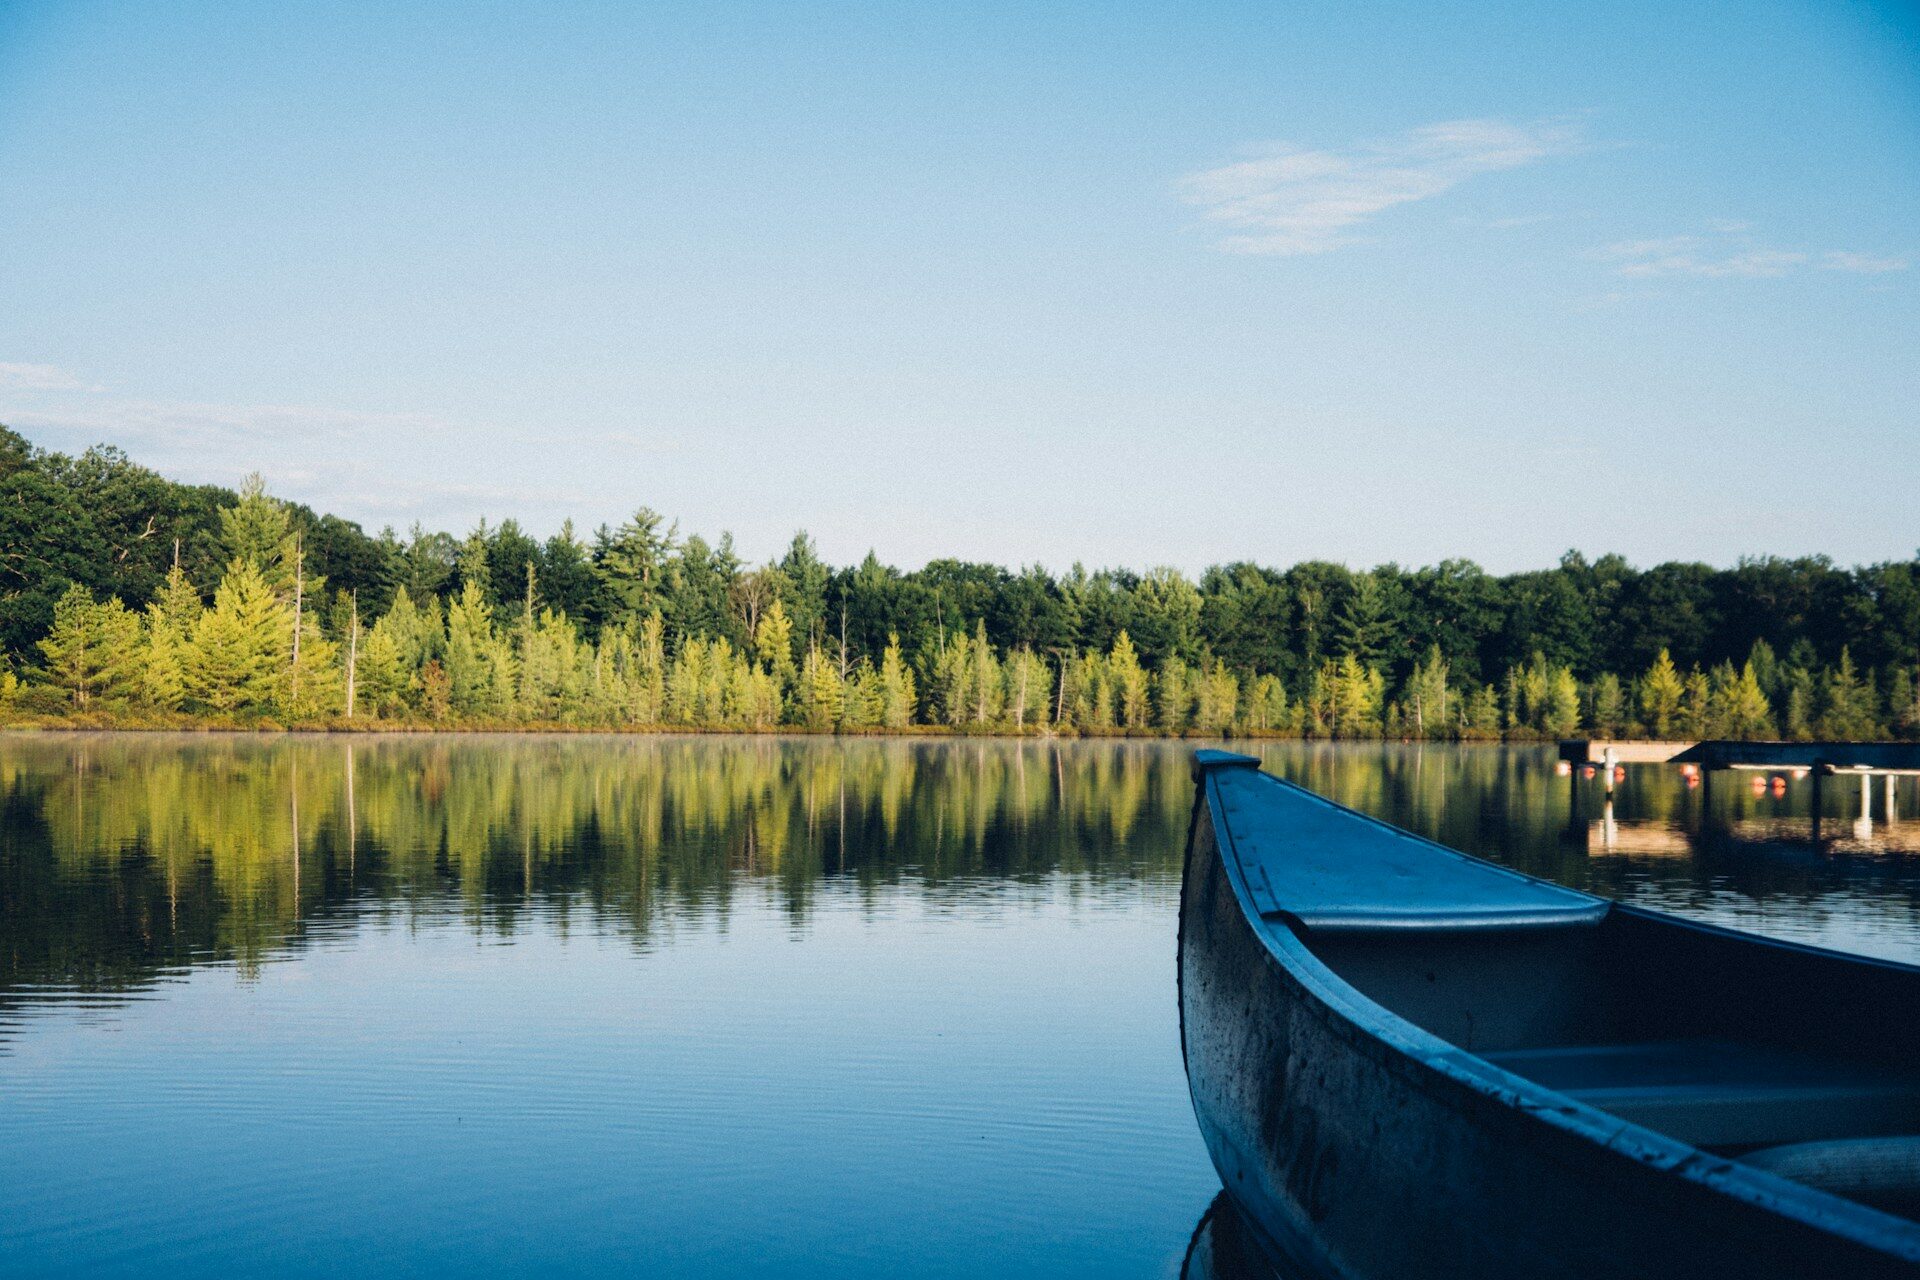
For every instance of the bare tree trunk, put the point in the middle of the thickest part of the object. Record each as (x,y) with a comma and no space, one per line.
(299,594)
(353,650)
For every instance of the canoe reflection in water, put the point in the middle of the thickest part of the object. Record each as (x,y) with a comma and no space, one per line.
(1222,1248)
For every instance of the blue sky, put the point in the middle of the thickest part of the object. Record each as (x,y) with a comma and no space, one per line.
(1124,284)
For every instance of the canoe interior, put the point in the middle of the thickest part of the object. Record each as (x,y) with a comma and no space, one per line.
(1719,1041)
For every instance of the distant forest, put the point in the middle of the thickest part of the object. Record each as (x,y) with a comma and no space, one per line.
(126,598)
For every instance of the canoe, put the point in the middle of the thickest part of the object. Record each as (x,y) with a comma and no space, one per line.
(1408,1062)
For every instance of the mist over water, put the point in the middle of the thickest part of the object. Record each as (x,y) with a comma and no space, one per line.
(695,1006)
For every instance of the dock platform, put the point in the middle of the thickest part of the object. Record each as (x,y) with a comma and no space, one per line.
(1814,757)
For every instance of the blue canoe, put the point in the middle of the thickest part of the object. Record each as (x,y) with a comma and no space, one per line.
(1407,1062)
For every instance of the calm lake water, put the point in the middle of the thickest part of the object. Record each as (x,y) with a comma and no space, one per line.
(699,1006)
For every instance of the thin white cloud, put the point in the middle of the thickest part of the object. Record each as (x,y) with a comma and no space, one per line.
(1293,201)
(1866,264)
(369,465)
(37,377)
(1729,252)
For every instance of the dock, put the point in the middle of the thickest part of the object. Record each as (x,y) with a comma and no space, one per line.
(1819,760)
(1900,758)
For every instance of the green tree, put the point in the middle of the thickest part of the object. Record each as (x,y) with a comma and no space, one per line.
(1130,684)
(92,653)
(238,655)
(316,687)
(1174,695)
(1661,691)
(1267,710)
(1903,703)
(382,681)
(257,530)
(822,690)
(1217,698)
(631,562)
(1609,702)
(1481,719)
(1428,696)
(473,663)
(1359,692)
(896,687)
(1025,677)
(1696,706)
(1849,711)
(773,642)
(1360,627)
(1741,709)
(1560,717)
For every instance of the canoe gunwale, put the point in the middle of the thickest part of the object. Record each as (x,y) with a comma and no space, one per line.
(1471,1086)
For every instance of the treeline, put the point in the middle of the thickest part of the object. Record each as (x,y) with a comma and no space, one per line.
(126,598)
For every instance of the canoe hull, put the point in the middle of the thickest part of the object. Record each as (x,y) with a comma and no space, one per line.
(1351,1158)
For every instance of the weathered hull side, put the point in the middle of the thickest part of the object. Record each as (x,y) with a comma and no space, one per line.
(1357,1158)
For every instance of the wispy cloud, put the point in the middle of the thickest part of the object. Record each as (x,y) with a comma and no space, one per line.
(372,465)
(1291,200)
(1865,264)
(37,377)
(1727,251)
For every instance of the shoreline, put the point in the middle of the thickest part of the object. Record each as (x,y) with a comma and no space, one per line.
(67,725)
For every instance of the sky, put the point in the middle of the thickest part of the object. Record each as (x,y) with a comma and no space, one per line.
(1122,284)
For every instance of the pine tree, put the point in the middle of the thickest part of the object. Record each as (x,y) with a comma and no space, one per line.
(773,642)
(1482,714)
(1561,714)
(1743,711)
(1086,692)
(237,657)
(1217,699)
(1903,703)
(821,689)
(471,663)
(953,681)
(1427,697)
(1027,684)
(1361,628)
(257,530)
(316,687)
(1849,712)
(177,606)
(986,689)
(162,682)
(1129,680)
(1609,701)
(1267,710)
(1696,706)
(381,679)
(1359,691)
(896,686)
(1174,696)
(92,653)
(1661,691)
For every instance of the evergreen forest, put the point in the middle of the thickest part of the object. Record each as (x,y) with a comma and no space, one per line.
(128,599)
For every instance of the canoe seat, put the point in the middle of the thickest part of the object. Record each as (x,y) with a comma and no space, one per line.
(1882,1172)
(1725,1094)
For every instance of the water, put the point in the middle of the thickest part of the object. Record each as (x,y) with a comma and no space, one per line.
(697,1006)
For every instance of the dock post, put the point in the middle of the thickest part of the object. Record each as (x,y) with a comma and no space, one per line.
(1893,812)
(1866,797)
(1819,776)
(1607,765)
